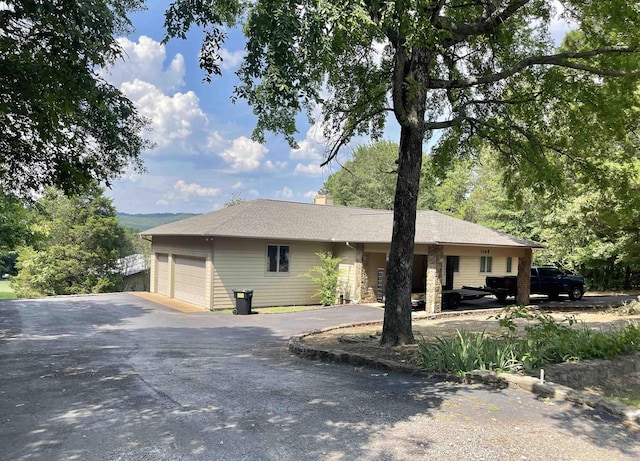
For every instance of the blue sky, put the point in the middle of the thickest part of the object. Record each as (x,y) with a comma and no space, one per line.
(203,152)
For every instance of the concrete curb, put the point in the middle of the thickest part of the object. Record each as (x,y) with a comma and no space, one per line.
(545,389)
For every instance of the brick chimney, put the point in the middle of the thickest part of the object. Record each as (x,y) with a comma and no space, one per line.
(323,198)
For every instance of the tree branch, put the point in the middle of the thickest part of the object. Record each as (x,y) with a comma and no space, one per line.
(461,31)
(560,60)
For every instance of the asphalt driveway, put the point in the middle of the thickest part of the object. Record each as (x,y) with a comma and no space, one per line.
(119,377)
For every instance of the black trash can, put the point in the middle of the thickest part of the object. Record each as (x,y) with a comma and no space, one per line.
(243,301)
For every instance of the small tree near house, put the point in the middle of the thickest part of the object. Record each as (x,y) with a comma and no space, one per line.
(325,277)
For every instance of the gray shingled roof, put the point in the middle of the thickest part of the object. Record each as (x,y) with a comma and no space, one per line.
(272,219)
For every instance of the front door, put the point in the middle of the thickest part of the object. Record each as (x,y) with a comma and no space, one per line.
(453,264)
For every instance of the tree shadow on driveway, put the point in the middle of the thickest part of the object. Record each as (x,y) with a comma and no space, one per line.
(116,379)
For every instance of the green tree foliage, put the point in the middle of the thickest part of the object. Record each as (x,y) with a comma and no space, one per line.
(81,243)
(61,124)
(368,180)
(482,71)
(326,277)
(596,231)
(15,221)
(236,199)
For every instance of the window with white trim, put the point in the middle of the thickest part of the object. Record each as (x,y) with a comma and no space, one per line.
(485,263)
(277,258)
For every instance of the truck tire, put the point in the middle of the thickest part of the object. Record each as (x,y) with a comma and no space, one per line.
(576,292)
(451,300)
(502,297)
(554,296)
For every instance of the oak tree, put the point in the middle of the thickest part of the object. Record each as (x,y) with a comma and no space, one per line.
(61,123)
(469,71)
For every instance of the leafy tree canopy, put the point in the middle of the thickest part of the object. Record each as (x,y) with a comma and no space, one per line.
(15,223)
(81,242)
(61,124)
(368,180)
(485,72)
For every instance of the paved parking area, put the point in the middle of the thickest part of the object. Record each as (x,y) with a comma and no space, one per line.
(120,377)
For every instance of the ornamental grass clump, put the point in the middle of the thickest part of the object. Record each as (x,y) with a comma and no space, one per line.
(544,341)
(470,351)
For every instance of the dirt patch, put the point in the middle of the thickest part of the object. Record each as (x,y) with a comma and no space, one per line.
(365,340)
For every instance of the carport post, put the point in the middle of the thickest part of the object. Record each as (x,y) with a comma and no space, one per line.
(433,296)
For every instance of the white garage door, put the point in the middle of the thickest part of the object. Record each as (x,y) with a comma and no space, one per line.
(190,280)
(162,274)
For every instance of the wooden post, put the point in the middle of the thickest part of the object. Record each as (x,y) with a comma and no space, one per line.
(524,278)
(433,296)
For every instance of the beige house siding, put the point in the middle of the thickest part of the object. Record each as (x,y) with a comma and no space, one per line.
(347,283)
(470,274)
(241,264)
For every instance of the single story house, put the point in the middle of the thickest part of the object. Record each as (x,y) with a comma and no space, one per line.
(266,245)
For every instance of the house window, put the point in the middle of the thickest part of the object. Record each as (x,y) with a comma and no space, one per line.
(509,264)
(277,258)
(485,263)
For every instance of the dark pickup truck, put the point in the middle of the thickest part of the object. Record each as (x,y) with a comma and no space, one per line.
(545,280)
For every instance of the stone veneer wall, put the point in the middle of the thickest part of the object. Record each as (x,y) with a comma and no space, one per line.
(589,373)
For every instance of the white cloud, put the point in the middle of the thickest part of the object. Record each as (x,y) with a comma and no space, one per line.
(286,192)
(231,60)
(311,194)
(313,146)
(277,166)
(215,142)
(145,60)
(162,202)
(311,169)
(177,122)
(238,185)
(244,154)
(254,193)
(187,190)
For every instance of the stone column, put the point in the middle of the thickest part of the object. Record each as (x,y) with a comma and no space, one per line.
(357,269)
(364,276)
(524,278)
(434,279)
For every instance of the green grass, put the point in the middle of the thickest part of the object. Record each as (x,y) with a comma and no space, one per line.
(5,290)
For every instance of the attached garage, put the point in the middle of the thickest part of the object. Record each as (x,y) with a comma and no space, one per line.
(190,280)
(162,274)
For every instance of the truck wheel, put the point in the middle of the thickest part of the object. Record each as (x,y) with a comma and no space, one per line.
(575,293)
(502,297)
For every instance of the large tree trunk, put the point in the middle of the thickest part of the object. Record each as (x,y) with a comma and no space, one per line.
(397,311)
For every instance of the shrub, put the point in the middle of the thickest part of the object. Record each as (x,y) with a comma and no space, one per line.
(326,277)
(545,341)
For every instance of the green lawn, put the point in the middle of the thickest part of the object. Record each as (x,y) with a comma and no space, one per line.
(5,290)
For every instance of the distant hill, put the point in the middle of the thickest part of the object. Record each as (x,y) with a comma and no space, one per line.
(142,222)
